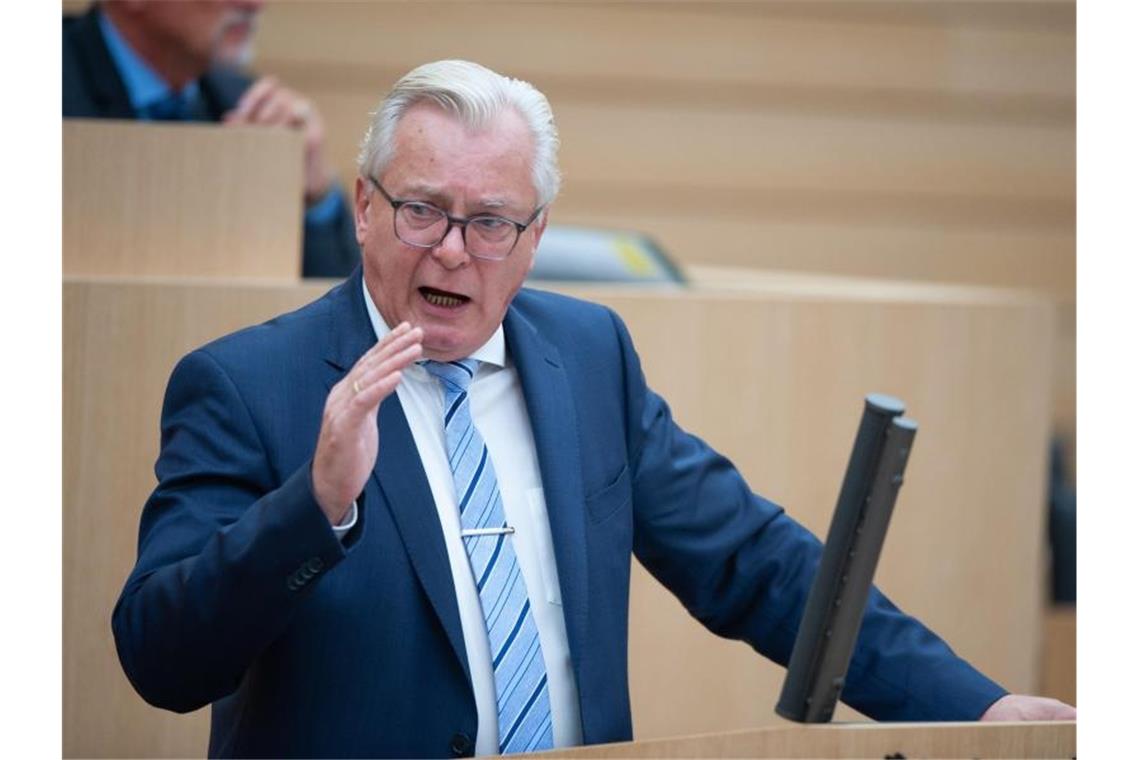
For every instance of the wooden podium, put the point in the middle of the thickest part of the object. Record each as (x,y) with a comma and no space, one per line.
(836,740)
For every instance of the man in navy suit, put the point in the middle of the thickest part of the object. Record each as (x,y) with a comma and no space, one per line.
(184,61)
(306,562)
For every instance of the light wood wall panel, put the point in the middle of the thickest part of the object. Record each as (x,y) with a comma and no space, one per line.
(1059,654)
(773,378)
(180,200)
(936,122)
(693,152)
(877,248)
(713,148)
(120,343)
(873,46)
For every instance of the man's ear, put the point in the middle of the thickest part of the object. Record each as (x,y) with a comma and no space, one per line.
(360,210)
(539,227)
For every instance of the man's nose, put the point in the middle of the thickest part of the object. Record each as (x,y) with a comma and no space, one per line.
(451,252)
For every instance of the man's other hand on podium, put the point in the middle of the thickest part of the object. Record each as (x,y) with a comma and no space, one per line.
(1013,707)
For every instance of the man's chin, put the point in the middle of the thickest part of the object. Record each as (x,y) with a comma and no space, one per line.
(444,346)
(446,354)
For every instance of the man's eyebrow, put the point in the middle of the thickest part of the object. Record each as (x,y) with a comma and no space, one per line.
(437,196)
(423,191)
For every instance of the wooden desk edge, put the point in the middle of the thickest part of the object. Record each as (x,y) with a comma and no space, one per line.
(1025,739)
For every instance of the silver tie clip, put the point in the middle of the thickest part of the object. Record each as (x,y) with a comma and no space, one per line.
(506,530)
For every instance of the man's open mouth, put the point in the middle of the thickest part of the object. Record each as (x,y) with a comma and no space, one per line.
(443,298)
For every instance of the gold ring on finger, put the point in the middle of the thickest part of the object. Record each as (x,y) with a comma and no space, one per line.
(356,386)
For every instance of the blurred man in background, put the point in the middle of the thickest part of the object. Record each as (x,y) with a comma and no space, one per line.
(184,61)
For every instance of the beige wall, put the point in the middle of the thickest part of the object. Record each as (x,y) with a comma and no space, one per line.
(928,140)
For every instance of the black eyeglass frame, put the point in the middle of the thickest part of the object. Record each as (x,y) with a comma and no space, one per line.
(452,221)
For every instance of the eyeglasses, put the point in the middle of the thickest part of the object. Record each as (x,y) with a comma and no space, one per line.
(485,236)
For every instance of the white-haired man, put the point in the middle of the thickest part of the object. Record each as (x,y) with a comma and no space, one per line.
(399,521)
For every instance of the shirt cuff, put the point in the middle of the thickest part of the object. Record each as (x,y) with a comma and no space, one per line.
(325,210)
(346,524)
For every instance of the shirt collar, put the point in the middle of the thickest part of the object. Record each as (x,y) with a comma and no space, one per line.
(144,86)
(493,352)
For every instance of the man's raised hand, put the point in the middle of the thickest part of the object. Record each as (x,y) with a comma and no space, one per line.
(348,442)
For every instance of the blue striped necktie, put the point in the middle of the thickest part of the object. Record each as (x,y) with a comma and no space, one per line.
(516,655)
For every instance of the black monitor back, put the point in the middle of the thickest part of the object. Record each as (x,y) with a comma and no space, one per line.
(834,610)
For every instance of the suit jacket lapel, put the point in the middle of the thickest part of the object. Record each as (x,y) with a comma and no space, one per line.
(401,478)
(553,420)
(399,475)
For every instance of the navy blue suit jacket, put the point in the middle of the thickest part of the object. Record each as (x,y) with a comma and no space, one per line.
(93,89)
(307,646)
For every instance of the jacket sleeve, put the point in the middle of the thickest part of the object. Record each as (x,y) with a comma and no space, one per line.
(227,549)
(744,568)
(330,248)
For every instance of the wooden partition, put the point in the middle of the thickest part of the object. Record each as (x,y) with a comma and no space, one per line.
(772,378)
(181,200)
(121,340)
(1059,654)
(1057,673)
(887,740)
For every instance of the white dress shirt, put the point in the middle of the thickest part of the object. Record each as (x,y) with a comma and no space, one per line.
(498,410)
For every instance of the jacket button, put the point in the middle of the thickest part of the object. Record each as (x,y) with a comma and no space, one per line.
(462,746)
(315,565)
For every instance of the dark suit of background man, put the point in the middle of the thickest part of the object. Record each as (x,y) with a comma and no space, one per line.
(181,61)
(303,564)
